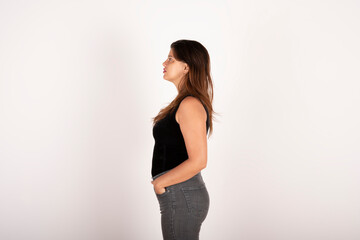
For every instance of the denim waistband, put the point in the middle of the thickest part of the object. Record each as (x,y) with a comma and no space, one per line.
(197,176)
(158,175)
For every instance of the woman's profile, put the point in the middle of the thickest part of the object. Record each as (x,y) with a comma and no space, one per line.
(180,152)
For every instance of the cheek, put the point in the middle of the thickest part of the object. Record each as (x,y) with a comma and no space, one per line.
(176,70)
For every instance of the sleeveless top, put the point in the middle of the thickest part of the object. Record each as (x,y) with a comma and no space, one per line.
(169,149)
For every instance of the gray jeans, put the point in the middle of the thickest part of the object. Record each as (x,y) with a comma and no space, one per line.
(183,207)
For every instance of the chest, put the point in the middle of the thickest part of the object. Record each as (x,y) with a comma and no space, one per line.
(167,131)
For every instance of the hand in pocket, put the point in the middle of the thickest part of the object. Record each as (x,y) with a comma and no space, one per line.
(160,190)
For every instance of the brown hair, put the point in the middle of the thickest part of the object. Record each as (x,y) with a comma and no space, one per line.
(196,82)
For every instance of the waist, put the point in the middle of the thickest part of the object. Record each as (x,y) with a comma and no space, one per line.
(194,180)
(158,175)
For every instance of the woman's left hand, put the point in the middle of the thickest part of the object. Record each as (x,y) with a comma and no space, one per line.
(158,190)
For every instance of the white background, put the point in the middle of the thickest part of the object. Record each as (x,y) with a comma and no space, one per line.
(81,80)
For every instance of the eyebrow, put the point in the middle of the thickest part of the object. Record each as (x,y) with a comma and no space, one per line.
(169,55)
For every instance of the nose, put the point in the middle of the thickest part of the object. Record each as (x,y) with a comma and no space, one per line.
(164,64)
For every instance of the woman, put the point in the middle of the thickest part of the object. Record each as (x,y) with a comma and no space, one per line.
(180,151)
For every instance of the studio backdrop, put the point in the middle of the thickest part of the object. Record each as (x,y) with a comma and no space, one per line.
(81,80)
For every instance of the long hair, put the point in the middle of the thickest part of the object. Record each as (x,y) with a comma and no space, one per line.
(196,82)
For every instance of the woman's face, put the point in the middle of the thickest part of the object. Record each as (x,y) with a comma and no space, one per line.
(174,70)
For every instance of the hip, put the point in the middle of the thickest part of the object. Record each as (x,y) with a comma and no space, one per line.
(190,199)
(193,187)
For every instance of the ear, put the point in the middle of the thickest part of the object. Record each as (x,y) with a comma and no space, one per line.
(186,68)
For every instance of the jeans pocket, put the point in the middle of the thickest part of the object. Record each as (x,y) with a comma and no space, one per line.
(164,193)
(197,200)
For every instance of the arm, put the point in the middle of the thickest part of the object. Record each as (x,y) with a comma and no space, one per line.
(192,121)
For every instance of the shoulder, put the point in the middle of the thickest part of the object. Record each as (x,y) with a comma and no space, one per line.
(191,103)
(191,107)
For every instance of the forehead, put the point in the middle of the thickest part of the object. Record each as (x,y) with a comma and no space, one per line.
(170,53)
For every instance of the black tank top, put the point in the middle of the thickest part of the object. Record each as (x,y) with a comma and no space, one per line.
(169,149)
